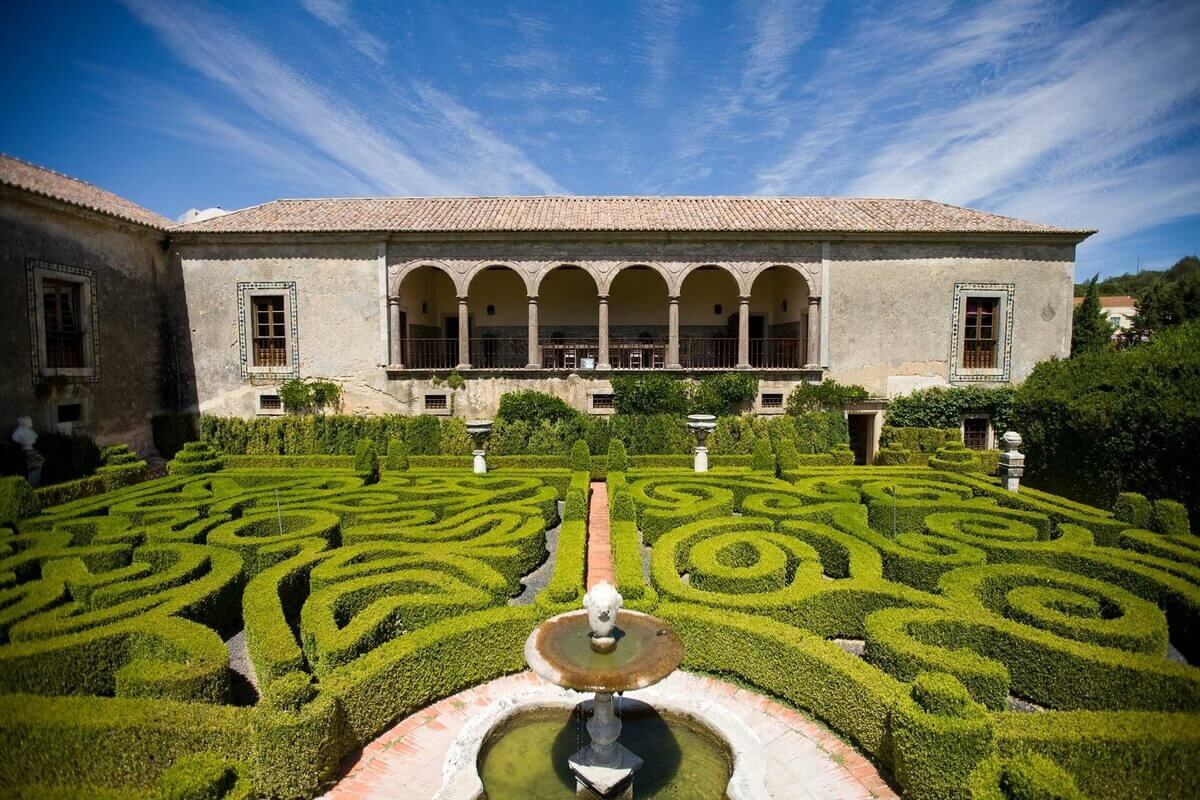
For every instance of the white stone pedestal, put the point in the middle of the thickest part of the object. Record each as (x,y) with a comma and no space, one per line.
(480,462)
(701,462)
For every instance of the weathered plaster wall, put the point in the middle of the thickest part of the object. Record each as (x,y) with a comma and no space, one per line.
(131,271)
(338,316)
(890,307)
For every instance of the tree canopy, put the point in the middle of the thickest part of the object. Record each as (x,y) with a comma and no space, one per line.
(1090,329)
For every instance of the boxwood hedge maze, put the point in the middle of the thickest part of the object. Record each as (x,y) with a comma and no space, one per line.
(242,632)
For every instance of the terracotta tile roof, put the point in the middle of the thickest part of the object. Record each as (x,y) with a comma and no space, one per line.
(1112,301)
(47,183)
(484,214)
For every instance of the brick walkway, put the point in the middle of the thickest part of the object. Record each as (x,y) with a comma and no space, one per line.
(599,548)
(804,761)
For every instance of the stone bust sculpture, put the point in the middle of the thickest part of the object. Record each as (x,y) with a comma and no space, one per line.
(602,602)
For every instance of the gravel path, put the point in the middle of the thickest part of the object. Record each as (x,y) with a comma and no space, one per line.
(537,580)
(245,682)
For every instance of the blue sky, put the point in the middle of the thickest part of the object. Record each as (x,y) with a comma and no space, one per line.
(1080,114)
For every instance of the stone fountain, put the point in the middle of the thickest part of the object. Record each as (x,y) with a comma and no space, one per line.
(701,425)
(479,430)
(606,650)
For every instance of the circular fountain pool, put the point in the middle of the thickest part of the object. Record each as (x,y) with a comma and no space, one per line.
(646,651)
(526,755)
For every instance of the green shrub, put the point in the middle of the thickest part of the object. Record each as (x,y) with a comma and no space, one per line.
(397,455)
(1170,517)
(424,436)
(1034,777)
(919,441)
(787,455)
(509,438)
(893,455)
(821,431)
(301,396)
(205,776)
(1135,509)
(194,459)
(172,431)
(581,457)
(762,459)
(533,407)
(651,394)
(618,461)
(843,456)
(116,454)
(17,500)
(723,393)
(1117,420)
(828,395)
(453,439)
(939,407)
(366,461)
(955,457)
(544,441)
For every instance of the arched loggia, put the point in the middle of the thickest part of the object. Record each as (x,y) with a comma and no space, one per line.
(639,319)
(425,320)
(779,319)
(499,315)
(568,328)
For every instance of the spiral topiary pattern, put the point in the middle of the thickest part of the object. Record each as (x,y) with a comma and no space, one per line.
(359,602)
(1023,600)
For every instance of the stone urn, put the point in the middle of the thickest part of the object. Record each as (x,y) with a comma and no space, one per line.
(479,430)
(1012,461)
(701,425)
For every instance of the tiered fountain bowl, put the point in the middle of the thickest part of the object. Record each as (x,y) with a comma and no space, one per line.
(594,650)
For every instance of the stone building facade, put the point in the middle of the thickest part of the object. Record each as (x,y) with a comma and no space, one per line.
(387,296)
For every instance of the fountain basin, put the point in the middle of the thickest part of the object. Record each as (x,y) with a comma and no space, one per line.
(647,650)
(526,755)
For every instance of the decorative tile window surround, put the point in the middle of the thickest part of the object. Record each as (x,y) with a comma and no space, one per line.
(1002,293)
(245,293)
(38,274)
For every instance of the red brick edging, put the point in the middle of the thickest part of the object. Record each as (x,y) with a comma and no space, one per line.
(599,548)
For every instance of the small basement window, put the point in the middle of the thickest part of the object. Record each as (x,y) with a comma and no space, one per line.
(772,400)
(435,402)
(975,432)
(270,402)
(602,402)
(69,412)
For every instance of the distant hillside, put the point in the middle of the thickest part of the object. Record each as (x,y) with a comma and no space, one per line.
(1134,284)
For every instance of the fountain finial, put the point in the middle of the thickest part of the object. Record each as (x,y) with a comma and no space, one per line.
(602,602)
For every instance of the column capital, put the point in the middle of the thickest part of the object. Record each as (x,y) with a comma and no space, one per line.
(744,299)
(603,298)
(462,298)
(393,300)
(533,298)
(673,298)
(814,300)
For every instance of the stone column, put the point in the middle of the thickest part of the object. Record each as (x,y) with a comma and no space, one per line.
(743,361)
(602,348)
(395,335)
(535,352)
(813,358)
(464,335)
(673,333)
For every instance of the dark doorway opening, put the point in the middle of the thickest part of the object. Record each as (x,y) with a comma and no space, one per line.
(860,436)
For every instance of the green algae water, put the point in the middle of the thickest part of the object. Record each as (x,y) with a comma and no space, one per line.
(527,758)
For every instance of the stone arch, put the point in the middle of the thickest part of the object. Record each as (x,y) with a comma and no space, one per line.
(412,266)
(522,274)
(811,281)
(604,285)
(541,276)
(739,278)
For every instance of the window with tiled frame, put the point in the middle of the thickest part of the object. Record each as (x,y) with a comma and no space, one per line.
(64,321)
(268,333)
(981,335)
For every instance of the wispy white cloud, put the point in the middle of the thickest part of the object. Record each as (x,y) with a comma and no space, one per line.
(1007,109)
(336,14)
(418,143)
(657,45)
